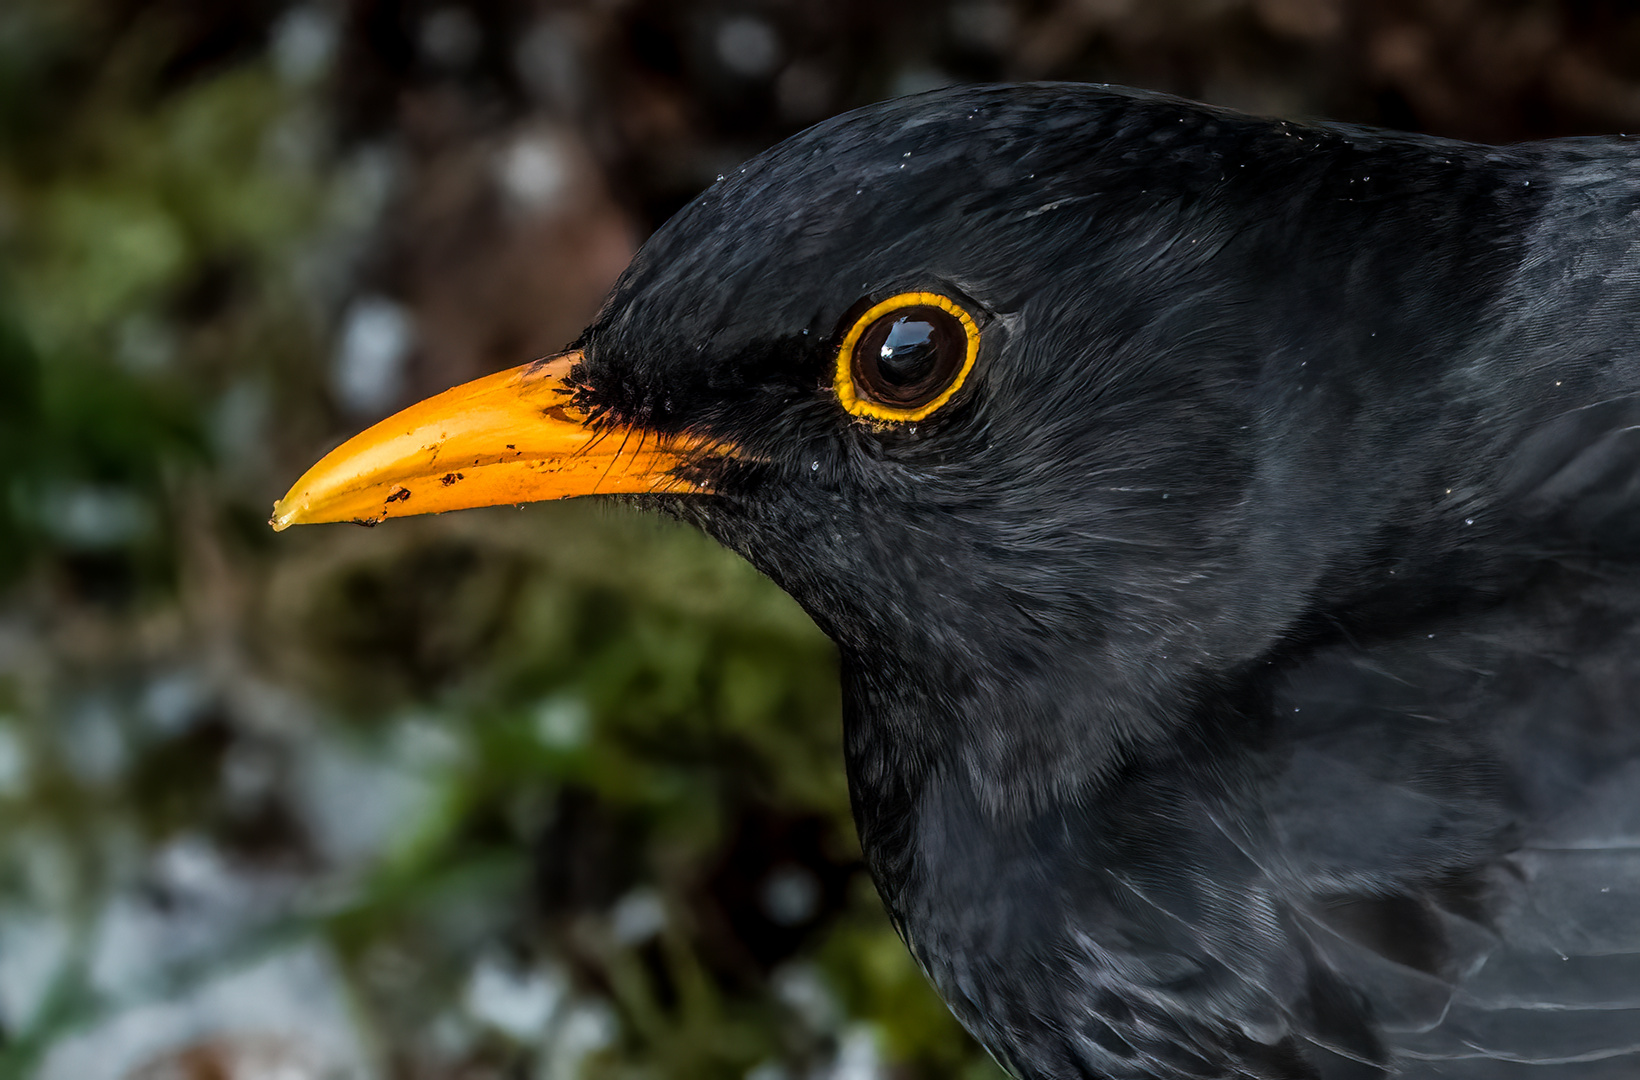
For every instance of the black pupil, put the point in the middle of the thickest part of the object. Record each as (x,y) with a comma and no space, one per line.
(907,357)
(907,354)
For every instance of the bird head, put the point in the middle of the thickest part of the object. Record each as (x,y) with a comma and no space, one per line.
(974,376)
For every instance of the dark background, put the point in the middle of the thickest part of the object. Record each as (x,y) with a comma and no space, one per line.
(541,794)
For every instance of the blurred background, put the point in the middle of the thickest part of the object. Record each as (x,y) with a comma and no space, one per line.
(546,793)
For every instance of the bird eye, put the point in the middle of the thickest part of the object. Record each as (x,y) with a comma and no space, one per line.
(905,357)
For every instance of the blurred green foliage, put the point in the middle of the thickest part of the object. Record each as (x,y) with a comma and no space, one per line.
(122,210)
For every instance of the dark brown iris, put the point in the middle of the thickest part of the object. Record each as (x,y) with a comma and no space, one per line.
(907,357)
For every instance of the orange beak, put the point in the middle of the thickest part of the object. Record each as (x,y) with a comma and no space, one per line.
(510,437)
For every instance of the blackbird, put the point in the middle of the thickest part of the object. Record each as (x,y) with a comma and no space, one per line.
(1230,532)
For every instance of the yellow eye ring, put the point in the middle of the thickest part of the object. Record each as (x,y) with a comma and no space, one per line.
(870,386)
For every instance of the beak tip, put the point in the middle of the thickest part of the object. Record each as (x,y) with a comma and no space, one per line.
(283,516)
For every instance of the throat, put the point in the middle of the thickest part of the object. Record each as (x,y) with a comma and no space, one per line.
(1046,734)
(1068,916)
(977,799)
